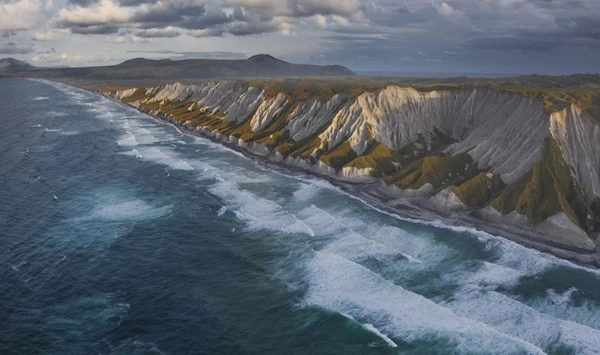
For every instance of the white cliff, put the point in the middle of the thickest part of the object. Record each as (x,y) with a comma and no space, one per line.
(268,111)
(311,115)
(501,131)
(579,137)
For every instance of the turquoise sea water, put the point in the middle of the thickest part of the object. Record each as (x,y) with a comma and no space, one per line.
(121,235)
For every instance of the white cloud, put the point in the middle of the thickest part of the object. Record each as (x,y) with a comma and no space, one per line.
(67,58)
(106,11)
(136,39)
(21,15)
(299,8)
(119,40)
(445,9)
(168,32)
(320,21)
(44,36)
(209,32)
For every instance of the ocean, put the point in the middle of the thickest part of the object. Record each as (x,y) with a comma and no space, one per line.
(120,234)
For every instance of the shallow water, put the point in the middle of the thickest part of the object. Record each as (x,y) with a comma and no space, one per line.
(121,235)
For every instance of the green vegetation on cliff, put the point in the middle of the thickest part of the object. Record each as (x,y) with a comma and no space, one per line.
(480,190)
(547,189)
(436,170)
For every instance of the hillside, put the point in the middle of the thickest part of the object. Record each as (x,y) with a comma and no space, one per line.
(525,157)
(14,65)
(140,69)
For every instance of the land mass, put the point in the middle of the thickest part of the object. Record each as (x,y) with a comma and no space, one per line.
(522,162)
(165,70)
(518,157)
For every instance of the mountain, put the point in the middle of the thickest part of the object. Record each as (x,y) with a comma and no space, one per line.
(14,65)
(192,69)
(527,160)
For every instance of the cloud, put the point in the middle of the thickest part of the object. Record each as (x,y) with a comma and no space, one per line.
(456,17)
(165,18)
(193,55)
(139,40)
(363,33)
(119,40)
(20,15)
(168,32)
(44,36)
(12,48)
(298,8)
(108,16)
(402,9)
(209,32)
(67,58)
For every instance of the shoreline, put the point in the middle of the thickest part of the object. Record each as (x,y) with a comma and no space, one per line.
(411,209)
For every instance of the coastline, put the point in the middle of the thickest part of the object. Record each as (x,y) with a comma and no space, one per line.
(413,209)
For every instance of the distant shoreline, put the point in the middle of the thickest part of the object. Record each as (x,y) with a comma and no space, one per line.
(413,209)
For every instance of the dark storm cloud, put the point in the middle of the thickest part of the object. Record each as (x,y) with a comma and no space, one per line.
(489,35)
(169,13)
(363,33)
(401,9)
(122,2)
(104,29)
(157,33)
(154,17)
(211,18)
(12,48)
(136,2)
(245,17)
(83,2)
(176,55)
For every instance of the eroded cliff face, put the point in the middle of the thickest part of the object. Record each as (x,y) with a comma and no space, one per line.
(469,150)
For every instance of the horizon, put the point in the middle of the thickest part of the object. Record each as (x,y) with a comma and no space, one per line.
(514,37)
(360,73)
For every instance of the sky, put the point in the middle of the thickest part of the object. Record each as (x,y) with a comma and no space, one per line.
(450,36)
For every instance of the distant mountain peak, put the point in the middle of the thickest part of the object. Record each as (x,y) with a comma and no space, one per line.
(264,58)
(13,60)
(258,66)
(144,61)
(12,64)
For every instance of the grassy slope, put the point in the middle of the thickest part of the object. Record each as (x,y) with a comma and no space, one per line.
(547,189)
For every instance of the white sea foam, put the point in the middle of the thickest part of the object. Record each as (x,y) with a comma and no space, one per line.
(560,305)
(57,114)
(346,241)
(561,298)
(342,286)
(512,317)
(257,212)
(128,141)
(306,192)
(376,331)
(162,156)
(222,211)
(128,210)
(39,98)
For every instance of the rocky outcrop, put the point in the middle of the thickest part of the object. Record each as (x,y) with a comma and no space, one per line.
(467,150)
